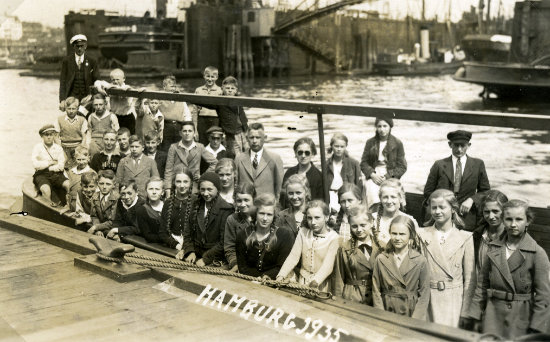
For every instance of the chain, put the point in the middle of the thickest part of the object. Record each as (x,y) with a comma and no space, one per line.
(148,261)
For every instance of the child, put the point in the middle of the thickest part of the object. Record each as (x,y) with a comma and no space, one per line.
(48,160)
(341,169)
(123,139)
(108,158)
(215,147)
(401,279)
(73,175)
(149,214)
(315,247)
(392,197)
(82,201)
(187,153)
(352,277)
(72,129)
(244,198)
(203,237)
(207,118)
(149,118)
(450,255)
(99,122)
(103,203)
(174,114)
(136,166)
(125,220)
(262,248)
(513,289)
(350,197)
(152,140)
(383,158)
(296,190)
(226,171)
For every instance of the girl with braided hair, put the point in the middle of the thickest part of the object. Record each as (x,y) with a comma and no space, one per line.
(352,276)
(176,212)
(296,190)
(226,170)
(203,236)
(262,247)
(149,214)
(349,197)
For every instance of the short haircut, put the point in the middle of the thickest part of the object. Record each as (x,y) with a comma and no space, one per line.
(151,135)
(256,126)
(129,184)
(123,130)
(153,179)
(170,78)
(117,71)
(318,204)
(308,141)
(88,178)
(515,203)
(210,69)
(245,188)
(135,138)
(225,162)
(110,131)
(109,174)
(230,80)
(187,123)
(98,96)
(302,181)
(81,151)
(71,100)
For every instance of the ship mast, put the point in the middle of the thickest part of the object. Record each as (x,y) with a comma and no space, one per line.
(480,16)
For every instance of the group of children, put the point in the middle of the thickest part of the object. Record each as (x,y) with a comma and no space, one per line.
(220,205)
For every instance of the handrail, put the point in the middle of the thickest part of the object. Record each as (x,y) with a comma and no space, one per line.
(510,120)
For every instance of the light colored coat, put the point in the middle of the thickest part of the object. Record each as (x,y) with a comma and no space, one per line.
(191,161)
(452,269)
(267,178)
(352,276)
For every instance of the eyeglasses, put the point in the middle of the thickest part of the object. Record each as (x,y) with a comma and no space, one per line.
(304,153)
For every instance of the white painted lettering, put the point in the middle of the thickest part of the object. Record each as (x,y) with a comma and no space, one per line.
(301,331)
(316,325)
(234,299)
(328,332)
(219,299)
(289,323)
(249,308)
(337,334)
(208,292)
(257,316)
(278,313)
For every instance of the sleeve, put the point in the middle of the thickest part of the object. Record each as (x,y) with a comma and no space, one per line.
(338,273)
(84,130)
(285,246)
(56,125)
(421,308)
(114,122)
(120,171)
(469,269)
(376,281)
(115,220)
(127,225)
(63,79)
(154,168)
(400,162)
(217,251)
(328,263)
(229,241)
(60,156)
(483,184)
(241,251)
(365,167)
(431,182)
(356,174)
(293,257)
(37,162)
(479,300)
(164,236)
(210,159)
(540,320)
(169,168)
(278,176)
(189,235)
(95,71)
(144,225)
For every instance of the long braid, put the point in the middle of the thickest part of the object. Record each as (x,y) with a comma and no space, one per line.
(377,226)
(188,206)
(339,219)
(169,212)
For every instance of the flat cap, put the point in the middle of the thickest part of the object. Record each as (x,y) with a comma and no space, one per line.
(46,128)
(459,135)
(78,37)
(214,130)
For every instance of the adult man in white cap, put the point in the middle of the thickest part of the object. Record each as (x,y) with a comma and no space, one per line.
(78,72)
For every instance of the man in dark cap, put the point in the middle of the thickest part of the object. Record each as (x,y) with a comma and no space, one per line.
(78,72)
(460,173)
(215,147)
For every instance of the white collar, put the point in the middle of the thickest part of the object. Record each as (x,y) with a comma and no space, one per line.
(259,154)
(103,116)
(76,171)
(131,205)
(79,59)
(157,207)
(193,145)
(462,160)
(215,153)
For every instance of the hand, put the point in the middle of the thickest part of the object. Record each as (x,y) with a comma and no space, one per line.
(116,238)
(200,262)
(313,284)
(179,256)
(196,177)
(52,163)
(191,258)
(111,234)
(91,230)
(466,206)
(100,90)
(476,325)
(377,179)
(234,269)
(100,233)
(281,279)
(62,106)
(86,100)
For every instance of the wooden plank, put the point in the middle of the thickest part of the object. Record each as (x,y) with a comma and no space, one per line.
(512,120)
(120,272)
(8,334)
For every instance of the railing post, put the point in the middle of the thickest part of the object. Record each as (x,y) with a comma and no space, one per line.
(323,157)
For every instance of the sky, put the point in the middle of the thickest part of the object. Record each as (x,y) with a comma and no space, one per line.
(51,12)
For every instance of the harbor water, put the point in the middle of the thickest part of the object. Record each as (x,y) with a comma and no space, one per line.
(517,161)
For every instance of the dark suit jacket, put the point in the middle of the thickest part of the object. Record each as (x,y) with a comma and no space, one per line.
(268,177)
(393,152)
(160,159)
(351,171)
(68,70)
(314,178)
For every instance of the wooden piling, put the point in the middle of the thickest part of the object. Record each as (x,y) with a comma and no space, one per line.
(238,51)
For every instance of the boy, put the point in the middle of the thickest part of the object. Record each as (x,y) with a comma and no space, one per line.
(207,117)
(136,167)
(149,118)
(109,157)
(152,141)
(121,106)
(72,129)
(100,121)
(125,221)
(48,160)
(81,202)
(123,139)
(75,173)
(174,114)
(215,147)
(462,174)
(104,202)
(188,153)
(259,167)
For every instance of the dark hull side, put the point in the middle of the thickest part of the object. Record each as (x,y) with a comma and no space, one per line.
(415,69)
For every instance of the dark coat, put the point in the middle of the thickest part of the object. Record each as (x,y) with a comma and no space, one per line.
(160,159)
(228,115)
(99,162)
(351,171)
(125,220)
(404,290)
(148,223)
(234,224)
(314,178)
(173,219)
(523,279)
(101,214)
(393,152)
(250,261)
(285,219)
(221,154)
(206,238)
(352,275)
(68,70)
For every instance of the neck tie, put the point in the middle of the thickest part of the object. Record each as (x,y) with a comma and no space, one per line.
(458,176)
(255,161)
(103,202)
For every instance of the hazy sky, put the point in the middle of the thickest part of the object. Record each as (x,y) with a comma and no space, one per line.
(51,12)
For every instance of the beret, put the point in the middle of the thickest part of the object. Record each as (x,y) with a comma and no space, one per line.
(78,37)
(382,118)
(46,128)
(212,177)
(459,135)
(214,129)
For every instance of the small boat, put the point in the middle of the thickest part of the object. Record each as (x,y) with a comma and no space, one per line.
(416,68)
(486,47)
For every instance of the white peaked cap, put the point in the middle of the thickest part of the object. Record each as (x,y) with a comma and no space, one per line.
(78,37)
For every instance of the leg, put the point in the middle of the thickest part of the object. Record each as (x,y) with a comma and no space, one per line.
(46,192)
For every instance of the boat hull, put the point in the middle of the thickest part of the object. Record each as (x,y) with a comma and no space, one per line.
(415,69)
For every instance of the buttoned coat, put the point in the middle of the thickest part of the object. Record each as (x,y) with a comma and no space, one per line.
(103,213)
(68,71)
(285,219)
(267,178)
(141,173)
(351,171)
(191,161)
(452,265)
(352,265)
(404,290)
(394,153)
(525,272)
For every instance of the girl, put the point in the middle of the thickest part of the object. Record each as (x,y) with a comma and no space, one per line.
(149,214)
(263,247)
(401,279)
(176,211)
(297,195)
(315,248)
(244,197)
(392,197)
(490,227)
(383,158)
(304,149)
(350,197)
(513,289)
(226,170)
(341,168)
(450,255)
(203,236)
(352,277)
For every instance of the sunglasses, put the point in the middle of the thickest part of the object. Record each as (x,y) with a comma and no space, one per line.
(304,153)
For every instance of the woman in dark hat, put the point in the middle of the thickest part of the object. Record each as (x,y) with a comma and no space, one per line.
(383,158)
